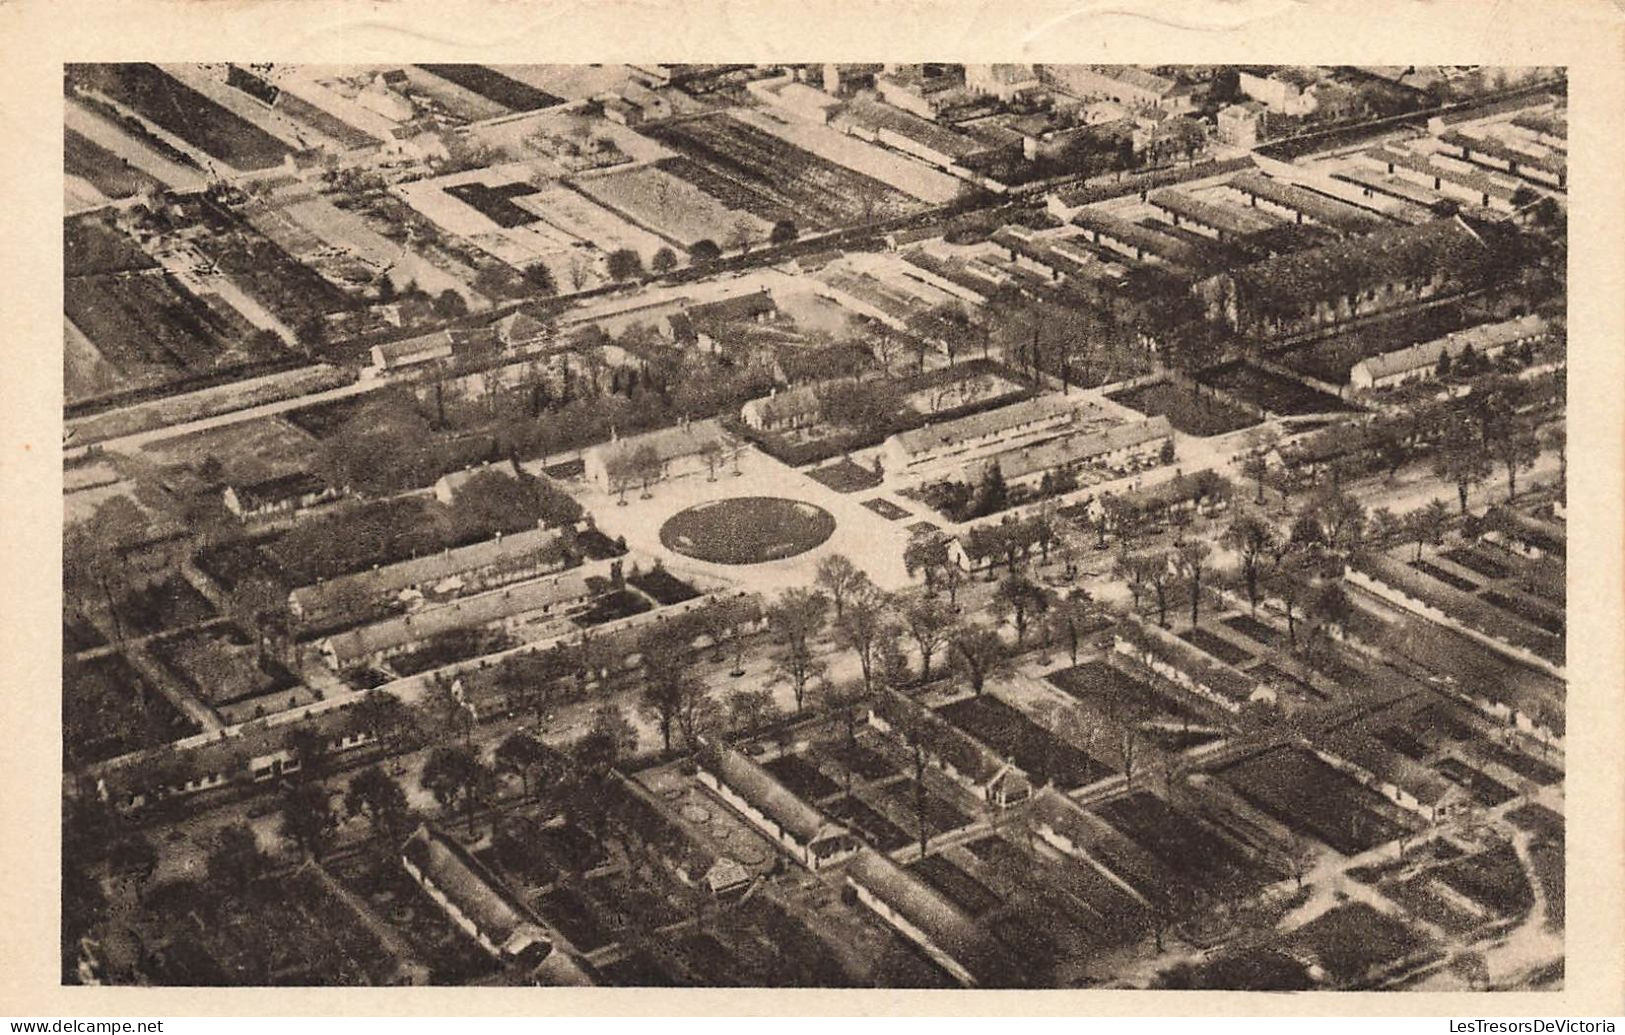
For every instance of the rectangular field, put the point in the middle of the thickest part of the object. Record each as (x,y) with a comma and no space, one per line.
(96,125)
(291,291)
(1193,414)
(803,778)
(732,193)
(1269,390)
(92,246)
(1537,615)
(1449,578)
(1476,560)
(323,122)
(222,666)
(108,709)
(1185,846)
(862,760)
(102,169)
(912,177)
(150,325)
(1217,646)
(1485,789)
(941,815)
(1035,749)
(825,195)
(956,885)
(1253,629)
(177,108)
(495,203)
(1305,793)
(869,824)
(578,218)
(574,916)
(1534,769)
(494,86)
(672,207)
(1096,682)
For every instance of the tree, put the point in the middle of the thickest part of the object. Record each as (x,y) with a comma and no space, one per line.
(666,679)
(1556,439)
(1256,468)
(1435,520)
(540,279)
(1191,557)
(750,710)
(307,818)
(845,701)
(978,653)
(711,451)
(624,264)
(1340,517)
(648,466)
(698,713)
(860,628)
(664,260)
(385,719)
(1021,599)
(1159,575)
(133,858)
(1516,447)
(235,860)
(1253,539)
(456,776)
(992,494)
(1128,746)
(621,470)
(784,231)
(1044,533)
(93,553)
(794,620)
(1301,853)
(840,578)
(741,234)
(1071,616)
(448,305)
(1285,581)
(1461,459)
(578,273)
(379,797)
(1415,523)
(1385,526)
(309,747)
(442,712)
(929,622)
(702,253)
(616,738)
(522,755)
(1330,607)
(927,554)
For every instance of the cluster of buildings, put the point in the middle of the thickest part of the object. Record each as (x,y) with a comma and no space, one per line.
(981,434)
(420,581)
(1424,361)
(675,452)
(798,828)
(1117,450)
(477,902)
(1338,282)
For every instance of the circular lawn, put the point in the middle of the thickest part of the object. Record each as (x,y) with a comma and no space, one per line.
(747,530)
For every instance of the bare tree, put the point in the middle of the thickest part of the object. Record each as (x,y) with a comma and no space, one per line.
(840,578)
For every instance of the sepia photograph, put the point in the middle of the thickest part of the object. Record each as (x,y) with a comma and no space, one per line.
(826,525)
